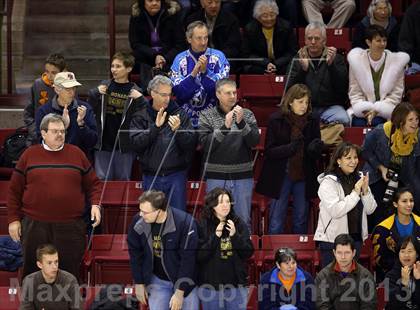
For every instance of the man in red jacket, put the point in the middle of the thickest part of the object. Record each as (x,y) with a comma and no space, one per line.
(47,196)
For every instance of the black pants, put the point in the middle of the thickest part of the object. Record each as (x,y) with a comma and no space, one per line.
(69,238)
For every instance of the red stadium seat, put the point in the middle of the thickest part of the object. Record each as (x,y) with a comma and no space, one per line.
(366,255)
(9,297)
(262,94)
(259,153)
(255,261)
(120,205)
(382,297)
(4,186)
(303,245)
(339,38)
(252,298)
(196,191)
(108,261)
(356,135)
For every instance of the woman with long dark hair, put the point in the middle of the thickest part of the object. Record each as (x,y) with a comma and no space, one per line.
(224,247)
(345,201)
(389,233)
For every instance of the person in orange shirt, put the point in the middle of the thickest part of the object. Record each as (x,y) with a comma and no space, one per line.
(42,92)
(286,286)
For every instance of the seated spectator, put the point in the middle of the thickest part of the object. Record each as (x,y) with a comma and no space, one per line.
(291,286)
(155,36)
(291,148)
(409,39)
(50,287)
(390,232)
(378,13)
(265,37)
(404,278)
(343,10)
(114,102)
(42,92)
(223,27)
(78,116)
(162,136)
(224,247)
(391,152)
(376,79)
(345,284)
(195,72)
(228,133)
(163,281)
(325,73)
(345,202)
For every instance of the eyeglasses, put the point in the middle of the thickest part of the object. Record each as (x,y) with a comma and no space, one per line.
(56,131)
(163,94)
(316,39)
(147,212)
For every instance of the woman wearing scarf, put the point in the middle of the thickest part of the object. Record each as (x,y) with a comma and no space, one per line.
(391,231)
(392,149)
(376,79)
(378,13)
(155,36)
(345,201)
(291,148)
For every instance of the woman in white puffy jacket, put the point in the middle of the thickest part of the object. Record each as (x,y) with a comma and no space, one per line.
(345,201)
(376,80)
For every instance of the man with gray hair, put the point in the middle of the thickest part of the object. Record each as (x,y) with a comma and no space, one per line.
(228,133)
(47,195)
(162,135)
(195,71)
(325,73)
(343,10)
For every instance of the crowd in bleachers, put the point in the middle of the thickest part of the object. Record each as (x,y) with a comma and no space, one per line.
(174,104)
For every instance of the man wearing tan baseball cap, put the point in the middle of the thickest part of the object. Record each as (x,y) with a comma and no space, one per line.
(78,116)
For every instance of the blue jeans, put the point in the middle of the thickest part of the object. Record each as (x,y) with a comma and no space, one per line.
(278,208)
(117,169)
(161,291)
(362,122)
(242,195)
(233,298)
(173,185)
(332,114)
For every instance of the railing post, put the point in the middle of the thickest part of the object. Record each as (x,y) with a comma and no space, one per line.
(9,7)
(111,27)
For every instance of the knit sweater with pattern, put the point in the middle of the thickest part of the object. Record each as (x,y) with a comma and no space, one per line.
(50,186)
(230,150)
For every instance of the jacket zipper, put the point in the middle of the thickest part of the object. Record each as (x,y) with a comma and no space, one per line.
(327,226)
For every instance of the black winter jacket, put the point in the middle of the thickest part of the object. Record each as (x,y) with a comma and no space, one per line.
(154,144)
(209,254)
(254,45)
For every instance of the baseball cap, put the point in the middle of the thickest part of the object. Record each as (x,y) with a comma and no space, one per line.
(66,80)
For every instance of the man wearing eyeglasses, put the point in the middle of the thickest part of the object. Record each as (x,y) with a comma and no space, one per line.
(162,243)
(78,116)
(47,195)
(162,135)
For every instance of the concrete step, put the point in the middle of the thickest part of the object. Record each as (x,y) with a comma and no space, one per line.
(74,24)
(68,44)
(80,64)
(80,7)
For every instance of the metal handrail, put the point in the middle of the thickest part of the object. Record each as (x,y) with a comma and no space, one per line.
(111,27)
(7,11)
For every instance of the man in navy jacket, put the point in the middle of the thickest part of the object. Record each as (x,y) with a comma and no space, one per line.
(162,243)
